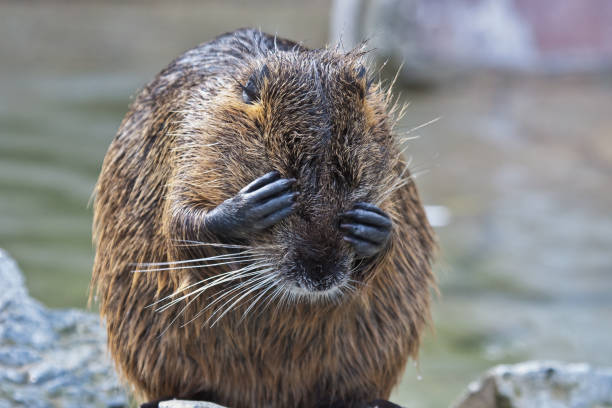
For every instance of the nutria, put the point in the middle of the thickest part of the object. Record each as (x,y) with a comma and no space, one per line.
(259,240)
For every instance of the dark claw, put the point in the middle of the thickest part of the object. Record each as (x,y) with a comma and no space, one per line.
(366,232)
(271,189)
(367,228)
(275,204)
(262,181)
(368,217)
(370,207)
(363,248)
(274,217)
(262,203)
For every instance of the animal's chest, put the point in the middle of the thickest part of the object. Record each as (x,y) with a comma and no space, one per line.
(279,360)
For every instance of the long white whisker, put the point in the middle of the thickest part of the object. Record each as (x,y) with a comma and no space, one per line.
(178,315)
(405,138)
(181,290)
(213,244)
(199,266)
(225,294)
(203,289)
(350,287)
(431,122)
(208,286)
(259,285)
(245,294)
(210,258)
(254,302)
(285,296)
(279,292)
(266,302)
(216,279)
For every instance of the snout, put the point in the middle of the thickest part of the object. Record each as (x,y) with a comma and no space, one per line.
(318,275)
(316,260)
(317,271)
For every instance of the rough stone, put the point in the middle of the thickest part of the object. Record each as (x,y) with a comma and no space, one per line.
(51,358)
(538,384)
(188,404)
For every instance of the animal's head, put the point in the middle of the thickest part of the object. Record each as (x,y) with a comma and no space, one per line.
(315,116)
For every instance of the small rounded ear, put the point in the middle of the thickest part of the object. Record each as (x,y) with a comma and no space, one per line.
(251,90)
(361,76)
(361,71)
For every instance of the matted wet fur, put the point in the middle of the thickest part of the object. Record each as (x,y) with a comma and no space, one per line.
(189,142)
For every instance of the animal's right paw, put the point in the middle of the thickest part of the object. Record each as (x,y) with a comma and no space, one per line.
(259,205)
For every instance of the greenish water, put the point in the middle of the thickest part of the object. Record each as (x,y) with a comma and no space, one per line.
(51,149)
(523,164)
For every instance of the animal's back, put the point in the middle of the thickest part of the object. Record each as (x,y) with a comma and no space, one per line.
(130,194)
(298,355)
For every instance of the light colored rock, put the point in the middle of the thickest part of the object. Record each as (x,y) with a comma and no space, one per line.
(539,384)
(51,358)
(187,404)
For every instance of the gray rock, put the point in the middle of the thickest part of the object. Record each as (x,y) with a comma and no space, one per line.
(17,356)
(51,358)
(539,384)
(188,404)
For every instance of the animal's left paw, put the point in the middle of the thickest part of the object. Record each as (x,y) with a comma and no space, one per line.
(367,228)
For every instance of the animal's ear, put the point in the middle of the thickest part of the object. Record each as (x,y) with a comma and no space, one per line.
(361,75)
(251,90)
(361,71)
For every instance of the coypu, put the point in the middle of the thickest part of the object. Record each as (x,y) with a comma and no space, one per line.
(309,287)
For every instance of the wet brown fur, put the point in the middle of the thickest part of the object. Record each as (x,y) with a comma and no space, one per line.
(188,143)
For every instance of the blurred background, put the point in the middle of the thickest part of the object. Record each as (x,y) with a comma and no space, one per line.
(517,170)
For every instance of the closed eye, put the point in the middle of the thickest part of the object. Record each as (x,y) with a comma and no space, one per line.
(251,91)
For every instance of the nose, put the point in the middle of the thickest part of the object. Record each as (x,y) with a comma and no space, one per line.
(317,259)
(320,270)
